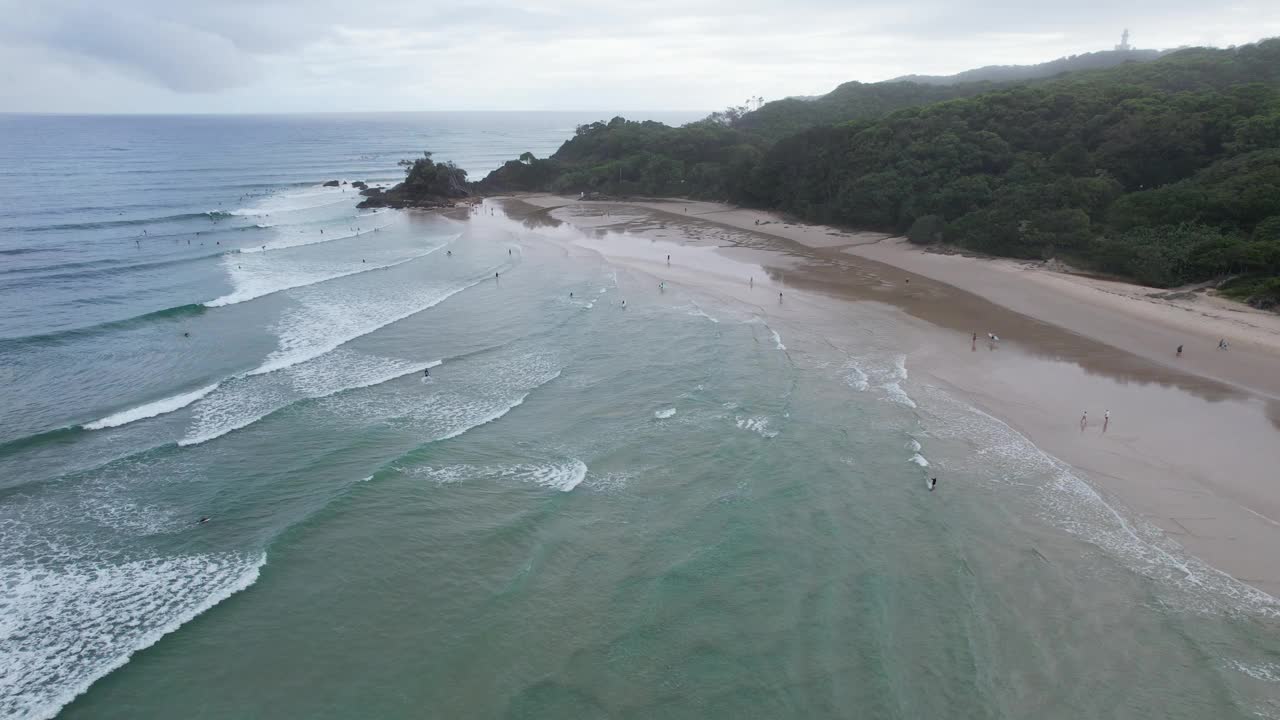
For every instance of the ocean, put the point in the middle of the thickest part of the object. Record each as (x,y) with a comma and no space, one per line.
(674,508)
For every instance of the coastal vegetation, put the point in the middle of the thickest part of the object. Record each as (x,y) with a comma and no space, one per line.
(426,184)
(1166,172)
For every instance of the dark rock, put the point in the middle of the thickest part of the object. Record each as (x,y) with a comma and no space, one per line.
(359,184)
(331,183)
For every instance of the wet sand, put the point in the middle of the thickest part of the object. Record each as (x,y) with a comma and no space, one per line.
(1191,446)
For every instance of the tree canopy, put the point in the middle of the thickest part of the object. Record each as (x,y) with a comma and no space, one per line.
(1166,172)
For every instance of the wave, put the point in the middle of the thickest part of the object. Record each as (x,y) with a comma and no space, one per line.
(268,286)
(300,346)
(664,414)
(919,459)
(60,336)
(777,340)
(152,409)
(560,476)
(131,222)
(563,476)
(62,434)
(237,410)
(757,425)
(279,208)
(20,251)
(101,268)
(292,242)
(73,624)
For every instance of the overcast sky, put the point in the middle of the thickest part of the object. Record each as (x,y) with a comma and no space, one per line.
(366,55)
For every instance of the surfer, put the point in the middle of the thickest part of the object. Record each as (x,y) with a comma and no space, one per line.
(624,303)
(1179,351)
(448,253)
(186,334)
(203,520)
(570,296)
(933,483)
(426,372)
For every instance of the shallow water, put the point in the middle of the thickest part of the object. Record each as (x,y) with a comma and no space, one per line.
(679,509)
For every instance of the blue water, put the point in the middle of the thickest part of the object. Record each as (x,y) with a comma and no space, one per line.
(687,507)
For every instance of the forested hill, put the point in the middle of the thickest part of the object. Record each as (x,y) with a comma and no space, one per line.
(1012,73)
(1167,172)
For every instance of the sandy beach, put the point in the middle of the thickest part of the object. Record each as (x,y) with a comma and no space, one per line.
(1191,444)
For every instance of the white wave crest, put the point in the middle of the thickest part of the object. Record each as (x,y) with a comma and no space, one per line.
(664,414)
(757,425)
(262,280)
(323,325)
(65,627)
(245,401)
(151,409)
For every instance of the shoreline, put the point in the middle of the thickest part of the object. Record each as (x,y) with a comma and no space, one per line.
(1189,452)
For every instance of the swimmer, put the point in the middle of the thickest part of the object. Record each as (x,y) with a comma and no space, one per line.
(624,303)
(203,520)
(933,483)
(426,372)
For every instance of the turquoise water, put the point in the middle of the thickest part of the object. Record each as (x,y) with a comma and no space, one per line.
(683,508)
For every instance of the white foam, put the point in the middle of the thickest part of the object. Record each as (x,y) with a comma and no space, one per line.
(913,445)
(1267,672)
(245,401)
(898,395)
(919,459)
(699,312)
(863,373)
(263,278)
(326,322)
(664,414)
(151,409)
(65,626)
(856,378)
(563,476)
(757,425)
(777,340)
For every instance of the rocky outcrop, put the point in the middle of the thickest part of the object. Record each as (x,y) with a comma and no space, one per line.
(359,185)
(331,183)
(426,184)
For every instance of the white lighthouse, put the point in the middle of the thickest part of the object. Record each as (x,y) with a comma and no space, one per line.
(1124,45)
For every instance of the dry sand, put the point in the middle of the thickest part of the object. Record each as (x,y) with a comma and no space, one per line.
(1193,444)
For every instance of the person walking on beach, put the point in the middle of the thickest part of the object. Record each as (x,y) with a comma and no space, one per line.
(1179,351)
(1084,420)
(1222,344)
(1106,419)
